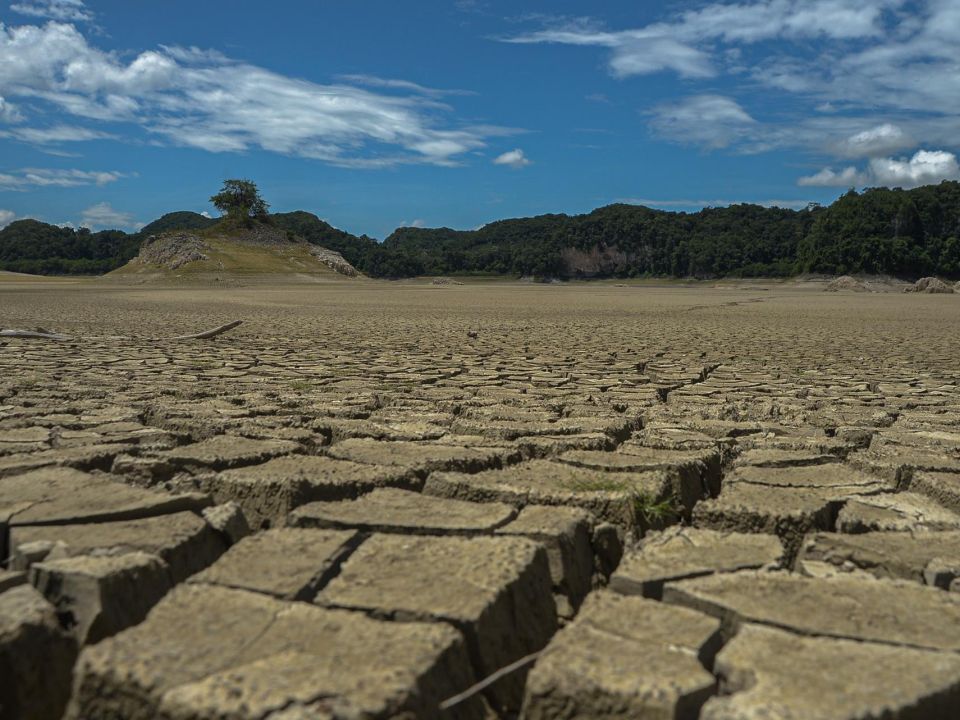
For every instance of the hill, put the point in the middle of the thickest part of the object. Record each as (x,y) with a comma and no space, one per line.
(903,233)
(221,253)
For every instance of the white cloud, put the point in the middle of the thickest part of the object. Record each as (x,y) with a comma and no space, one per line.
(103,217)
(847,177)
(201,99)
(206,214)
(513,158)
(54,135)
(673,44)
(9,112)
(418,223)
(65,10)
(714,121)
(6,217)
(879,140)
(46,177)
(924,168)
(394,84)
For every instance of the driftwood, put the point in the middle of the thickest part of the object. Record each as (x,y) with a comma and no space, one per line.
(42,334)
(490,680)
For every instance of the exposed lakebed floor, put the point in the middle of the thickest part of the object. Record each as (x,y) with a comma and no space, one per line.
(673,502)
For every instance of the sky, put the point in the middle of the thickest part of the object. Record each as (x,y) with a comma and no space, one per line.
(375,114)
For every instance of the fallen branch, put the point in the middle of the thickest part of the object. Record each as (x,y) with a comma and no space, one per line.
(489,680)
(208,333)
(42,334)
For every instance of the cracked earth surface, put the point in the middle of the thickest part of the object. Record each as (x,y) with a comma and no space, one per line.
(718,503)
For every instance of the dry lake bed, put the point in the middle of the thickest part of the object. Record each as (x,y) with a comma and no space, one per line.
(718,501)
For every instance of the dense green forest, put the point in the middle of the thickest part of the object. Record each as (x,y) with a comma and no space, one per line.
(908,233)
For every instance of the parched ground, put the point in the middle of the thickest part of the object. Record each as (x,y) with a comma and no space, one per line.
(645,501)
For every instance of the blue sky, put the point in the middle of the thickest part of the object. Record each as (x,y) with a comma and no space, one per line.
(375,113)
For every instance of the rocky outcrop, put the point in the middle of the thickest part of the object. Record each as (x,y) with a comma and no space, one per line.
(334,261)
(172,250)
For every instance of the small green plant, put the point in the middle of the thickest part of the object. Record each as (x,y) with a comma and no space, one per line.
(654,512)
(301,385)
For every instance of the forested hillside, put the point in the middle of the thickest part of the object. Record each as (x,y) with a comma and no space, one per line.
(908,233)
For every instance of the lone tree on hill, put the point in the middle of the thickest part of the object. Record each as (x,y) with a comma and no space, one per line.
(240,201)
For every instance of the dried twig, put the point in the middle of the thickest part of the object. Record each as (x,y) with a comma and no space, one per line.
(489,680)
(208,333)
(33,334)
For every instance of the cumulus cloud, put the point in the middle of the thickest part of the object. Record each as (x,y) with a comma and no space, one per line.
(714,121)
(66,10)
(201,99)
(879,140)
(103,217)
(512,158)
(6,217)
(924,168)
(418,223)
(46,177)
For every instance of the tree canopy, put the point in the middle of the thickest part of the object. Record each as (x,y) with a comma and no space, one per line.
(240,201)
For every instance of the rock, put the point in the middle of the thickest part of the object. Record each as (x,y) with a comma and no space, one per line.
(903,555)
(625,657)
(611,497)
(227,451)
(839,607)
(393,510)
(288,563)
(942,571)
(679,553)
(929,285)
(895,511)
(421,458)
(566,535)
(207,651)
(768,673)
(228,520)
(172,250)
(36,657)
(183,541)
(496,590)
(846,283)
(267,493)
(99,596)
(334,260)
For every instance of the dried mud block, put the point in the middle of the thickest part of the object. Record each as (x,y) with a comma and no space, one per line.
(774,674)
(183,541)
(422,458)
(777,458)
(680,553)
(807,477)
(496,590)
(543,446)
(228,520)
(619,498)
(267,493)
(903,555)
(625,657)
(790,513)
(866,609)
(695,473)
(36,657)
(288,563)
(11,578)
(898,465)
(206,651)
(89,457)
(227,451)
(97,597)
(895,511)
(393,510)
(566,533)
(943,487)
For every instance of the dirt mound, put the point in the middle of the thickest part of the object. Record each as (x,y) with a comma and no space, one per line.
(445,281)
(172,250)
(930,285)
(846,283)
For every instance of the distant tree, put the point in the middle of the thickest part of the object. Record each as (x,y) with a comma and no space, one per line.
(240,201)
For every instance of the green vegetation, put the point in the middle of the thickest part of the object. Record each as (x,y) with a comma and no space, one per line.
(655,513)
(240,202)
(906,233)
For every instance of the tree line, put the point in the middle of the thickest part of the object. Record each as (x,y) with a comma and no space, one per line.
(907,233)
